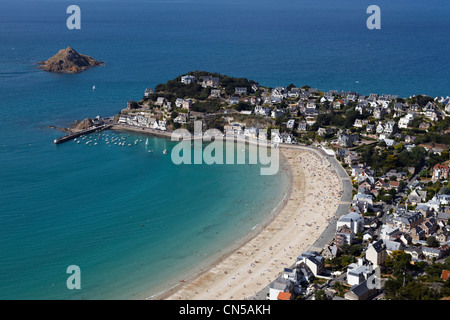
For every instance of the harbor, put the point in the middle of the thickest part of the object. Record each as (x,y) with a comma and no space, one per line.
(75,135)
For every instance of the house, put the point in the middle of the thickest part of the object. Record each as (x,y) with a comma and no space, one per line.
(389,232)
(417,233)
(233,100)
(392,245)
(293,93)
(344,235)
(162,125)
(416,253)
(97,121)
(291,275)
(410,139)
(251,133)
(432,115)
(429,226)
(351,158)
(188,79)
(276,137)
(209,81)
(347,140)
(187,104)
(275,100)
(168,106)
(233,130)
(359,272)
(376,253)
(181,118)
(290,124)
(417,196)
(302,126)
(440,171)
(363,197)
(240,90)
(379,113)
(160,101)
(434,147)
(360,123)
(280,285)
(277,113)
(313,260)
(361,292)
(307,276)
(329,252)
(425,126)
(321,132)
(215,93)
(287,138)
(405,122)
(279,92)
(352,220)
(443,236)
(431,253)
(394,185)
(148,92)
(368,234)
(262,111)
(390,127)
(405,221)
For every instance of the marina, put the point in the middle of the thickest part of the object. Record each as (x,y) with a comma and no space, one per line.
(73,136)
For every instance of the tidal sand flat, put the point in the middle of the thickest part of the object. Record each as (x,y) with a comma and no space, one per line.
(313,200)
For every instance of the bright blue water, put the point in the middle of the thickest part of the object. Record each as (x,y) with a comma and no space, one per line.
(85,205)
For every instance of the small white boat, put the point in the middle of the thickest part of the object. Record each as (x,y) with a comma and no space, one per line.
(146,142)
(165,151)
(93,88)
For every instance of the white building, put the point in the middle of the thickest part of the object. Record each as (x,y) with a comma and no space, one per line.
(251,133)
(188,79)
(359,271)
(405,121)
(352,220)
(313,260)
(389,232)
(376,253)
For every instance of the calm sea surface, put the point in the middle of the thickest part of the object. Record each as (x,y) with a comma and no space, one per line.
(133,221)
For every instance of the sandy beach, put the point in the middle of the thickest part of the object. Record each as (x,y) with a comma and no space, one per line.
(314,198)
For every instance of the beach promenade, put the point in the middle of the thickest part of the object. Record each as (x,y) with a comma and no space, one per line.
(320,193)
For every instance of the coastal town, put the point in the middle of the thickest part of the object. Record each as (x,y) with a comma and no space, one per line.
(392,240)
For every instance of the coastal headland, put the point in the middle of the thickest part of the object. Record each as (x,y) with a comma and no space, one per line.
(390,143)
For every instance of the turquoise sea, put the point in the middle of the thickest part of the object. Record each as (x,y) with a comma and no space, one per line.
(134,222)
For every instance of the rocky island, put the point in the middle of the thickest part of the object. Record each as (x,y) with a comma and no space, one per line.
(69,61)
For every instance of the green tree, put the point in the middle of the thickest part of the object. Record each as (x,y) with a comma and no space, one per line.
(320,295)
(432,242)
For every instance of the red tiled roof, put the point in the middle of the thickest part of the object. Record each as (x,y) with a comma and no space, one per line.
(441,166)
(445,275)
(284,296)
